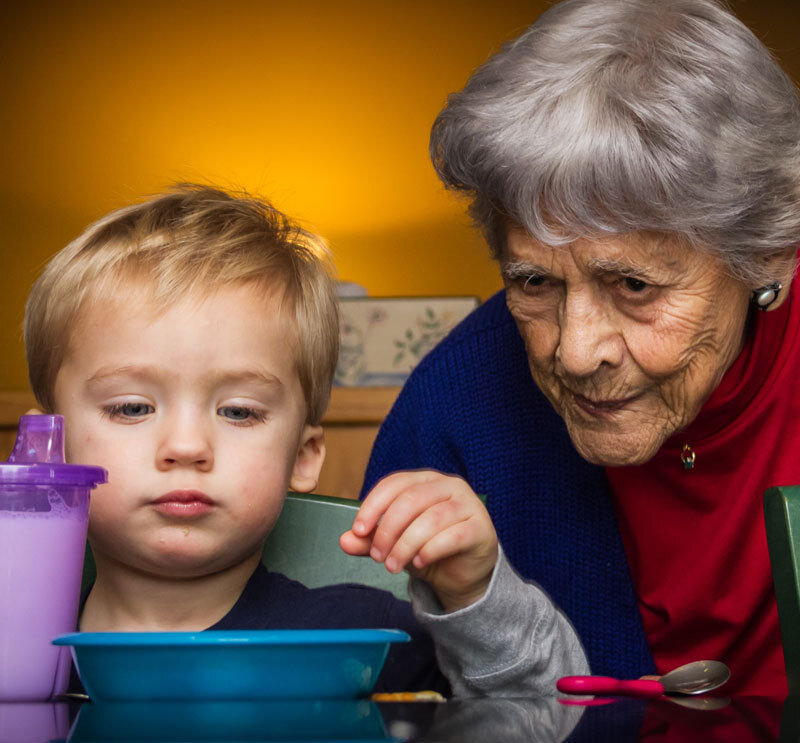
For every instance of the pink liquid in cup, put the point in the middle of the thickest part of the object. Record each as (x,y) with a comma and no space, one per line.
(41,593)
(44,510)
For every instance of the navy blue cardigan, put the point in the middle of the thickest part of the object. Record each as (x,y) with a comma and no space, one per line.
(471,408)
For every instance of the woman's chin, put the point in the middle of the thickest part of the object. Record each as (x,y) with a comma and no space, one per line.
(614,449)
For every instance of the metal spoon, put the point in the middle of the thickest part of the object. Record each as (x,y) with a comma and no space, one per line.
(693,678)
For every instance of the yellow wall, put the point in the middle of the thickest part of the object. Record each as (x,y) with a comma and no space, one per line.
(324,107)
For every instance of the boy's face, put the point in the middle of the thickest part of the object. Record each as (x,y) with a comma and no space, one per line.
(198,415)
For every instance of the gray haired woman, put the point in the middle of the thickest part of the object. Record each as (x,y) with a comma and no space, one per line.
(624,403)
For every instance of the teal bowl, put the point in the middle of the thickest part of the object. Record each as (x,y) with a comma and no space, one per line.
(220,665)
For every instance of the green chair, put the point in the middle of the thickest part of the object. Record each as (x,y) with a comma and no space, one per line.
(782,519)
(304,545)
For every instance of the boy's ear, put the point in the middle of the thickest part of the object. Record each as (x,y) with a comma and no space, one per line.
(310,456)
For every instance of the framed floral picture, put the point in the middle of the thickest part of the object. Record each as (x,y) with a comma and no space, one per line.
(383,338)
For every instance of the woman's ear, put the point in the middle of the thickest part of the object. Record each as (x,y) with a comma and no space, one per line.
(783,267)
(308,463)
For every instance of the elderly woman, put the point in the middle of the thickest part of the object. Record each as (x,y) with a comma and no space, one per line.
(624,403)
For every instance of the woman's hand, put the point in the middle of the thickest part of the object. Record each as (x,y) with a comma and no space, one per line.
(435,527)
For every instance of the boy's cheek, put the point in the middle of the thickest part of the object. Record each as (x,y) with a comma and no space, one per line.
(84,448)
(103,515)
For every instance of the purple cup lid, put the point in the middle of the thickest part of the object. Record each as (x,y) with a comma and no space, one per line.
(38,457)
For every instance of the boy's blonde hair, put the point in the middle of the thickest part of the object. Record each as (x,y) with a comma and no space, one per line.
(193,239)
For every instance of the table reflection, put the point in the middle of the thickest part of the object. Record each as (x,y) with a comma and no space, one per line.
(475,721)
(743,720)
(276,720)
(34,722)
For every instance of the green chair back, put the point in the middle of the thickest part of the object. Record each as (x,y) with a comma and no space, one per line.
(782,519)
(304,545)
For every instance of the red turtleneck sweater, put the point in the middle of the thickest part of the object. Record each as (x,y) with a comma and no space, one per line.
(695,539)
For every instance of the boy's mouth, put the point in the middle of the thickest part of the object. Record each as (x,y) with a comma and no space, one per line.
(184,504)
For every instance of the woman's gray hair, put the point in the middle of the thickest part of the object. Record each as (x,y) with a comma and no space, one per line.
(613,116)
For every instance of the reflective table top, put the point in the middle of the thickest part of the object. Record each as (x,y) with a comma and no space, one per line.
(490,720)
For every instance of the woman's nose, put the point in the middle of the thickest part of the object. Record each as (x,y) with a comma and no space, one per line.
(589,339)
(185,441)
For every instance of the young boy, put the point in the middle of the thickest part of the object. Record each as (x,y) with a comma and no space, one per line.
(190,343)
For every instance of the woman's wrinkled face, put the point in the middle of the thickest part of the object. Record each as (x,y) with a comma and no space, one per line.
(627,335)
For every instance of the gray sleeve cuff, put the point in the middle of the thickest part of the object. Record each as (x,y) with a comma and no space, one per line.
(511,642)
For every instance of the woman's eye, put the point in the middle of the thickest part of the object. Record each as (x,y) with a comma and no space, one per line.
(129,410)
(531,283)
(240,414)
(634,285)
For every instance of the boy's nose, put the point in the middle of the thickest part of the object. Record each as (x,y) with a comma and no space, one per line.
(185,443)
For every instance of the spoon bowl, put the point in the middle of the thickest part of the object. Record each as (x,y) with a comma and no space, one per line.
(695,678)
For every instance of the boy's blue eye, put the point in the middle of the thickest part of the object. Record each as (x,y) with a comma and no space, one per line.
(240,414)
(130,410)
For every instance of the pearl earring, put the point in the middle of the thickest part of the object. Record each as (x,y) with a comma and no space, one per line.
(764,296)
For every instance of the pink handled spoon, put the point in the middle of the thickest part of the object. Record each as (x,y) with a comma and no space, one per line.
(693,678)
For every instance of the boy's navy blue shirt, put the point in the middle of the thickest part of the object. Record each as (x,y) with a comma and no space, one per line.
(273,601)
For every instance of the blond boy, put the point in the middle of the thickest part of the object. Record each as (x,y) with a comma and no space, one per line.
(190,343)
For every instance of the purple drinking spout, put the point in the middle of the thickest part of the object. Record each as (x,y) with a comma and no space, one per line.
(40,438)
(37,460)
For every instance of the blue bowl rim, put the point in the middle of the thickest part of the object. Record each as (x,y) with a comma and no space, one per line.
(271,637)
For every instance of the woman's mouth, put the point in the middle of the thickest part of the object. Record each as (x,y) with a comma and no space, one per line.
(184,504)
(601,407)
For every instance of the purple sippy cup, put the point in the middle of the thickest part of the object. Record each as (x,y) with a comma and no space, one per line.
(44,514)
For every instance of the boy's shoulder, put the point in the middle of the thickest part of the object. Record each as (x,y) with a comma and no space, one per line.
(273,601)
